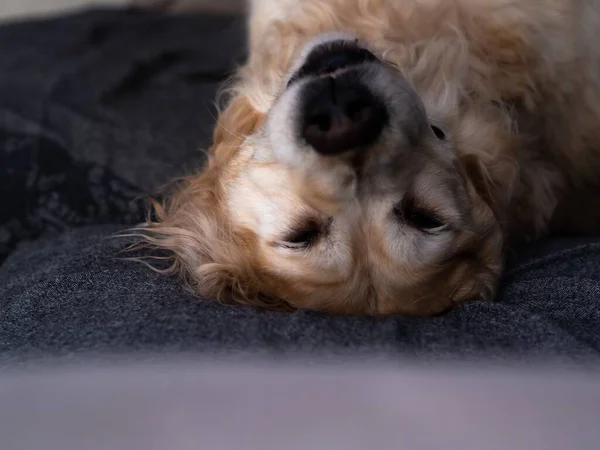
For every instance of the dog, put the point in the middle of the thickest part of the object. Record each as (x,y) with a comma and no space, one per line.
(380,157)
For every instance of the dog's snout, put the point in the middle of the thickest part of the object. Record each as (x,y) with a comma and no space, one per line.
(331,57)
(340,115)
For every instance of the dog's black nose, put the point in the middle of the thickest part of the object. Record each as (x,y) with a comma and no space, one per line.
(340,115)
(333,56)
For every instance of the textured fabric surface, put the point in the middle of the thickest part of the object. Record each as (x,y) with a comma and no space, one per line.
(100,107)
(70,294)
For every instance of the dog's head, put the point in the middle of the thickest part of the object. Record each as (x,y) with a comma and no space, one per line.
(333,186)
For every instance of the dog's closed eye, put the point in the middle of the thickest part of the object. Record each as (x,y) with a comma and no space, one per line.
(417,216)
(305,235)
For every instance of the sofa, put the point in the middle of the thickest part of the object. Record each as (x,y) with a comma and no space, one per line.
(98,109)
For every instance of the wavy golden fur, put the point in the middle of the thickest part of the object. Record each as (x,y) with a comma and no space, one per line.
(515,86)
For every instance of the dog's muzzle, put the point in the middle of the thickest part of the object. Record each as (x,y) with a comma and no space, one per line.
(339,113)
(331,57)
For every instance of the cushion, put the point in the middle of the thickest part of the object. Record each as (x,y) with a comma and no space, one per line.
(101,107)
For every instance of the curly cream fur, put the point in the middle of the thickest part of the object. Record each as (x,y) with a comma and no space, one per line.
(517,83)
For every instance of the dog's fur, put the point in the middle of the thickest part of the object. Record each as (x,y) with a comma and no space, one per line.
(513,84)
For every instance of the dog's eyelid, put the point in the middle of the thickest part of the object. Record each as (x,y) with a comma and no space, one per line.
(407,208)
(305,234)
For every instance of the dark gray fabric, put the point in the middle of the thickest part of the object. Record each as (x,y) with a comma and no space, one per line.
(70,294)
(99,107)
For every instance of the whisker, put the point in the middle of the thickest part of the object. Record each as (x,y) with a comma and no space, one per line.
(219,124)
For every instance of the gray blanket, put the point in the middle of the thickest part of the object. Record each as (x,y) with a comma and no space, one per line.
(101,107)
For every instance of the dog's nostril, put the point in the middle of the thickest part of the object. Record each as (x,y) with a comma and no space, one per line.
(358,110)
(339,116)
(329,68)
(321,121)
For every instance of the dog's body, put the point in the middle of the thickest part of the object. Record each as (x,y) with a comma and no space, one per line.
(378,156)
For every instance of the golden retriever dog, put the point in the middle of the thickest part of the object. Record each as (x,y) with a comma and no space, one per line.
(379,157)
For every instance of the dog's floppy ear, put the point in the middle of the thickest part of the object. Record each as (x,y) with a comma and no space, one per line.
(191,238)
(237,121)
(493,183)
(483,182)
